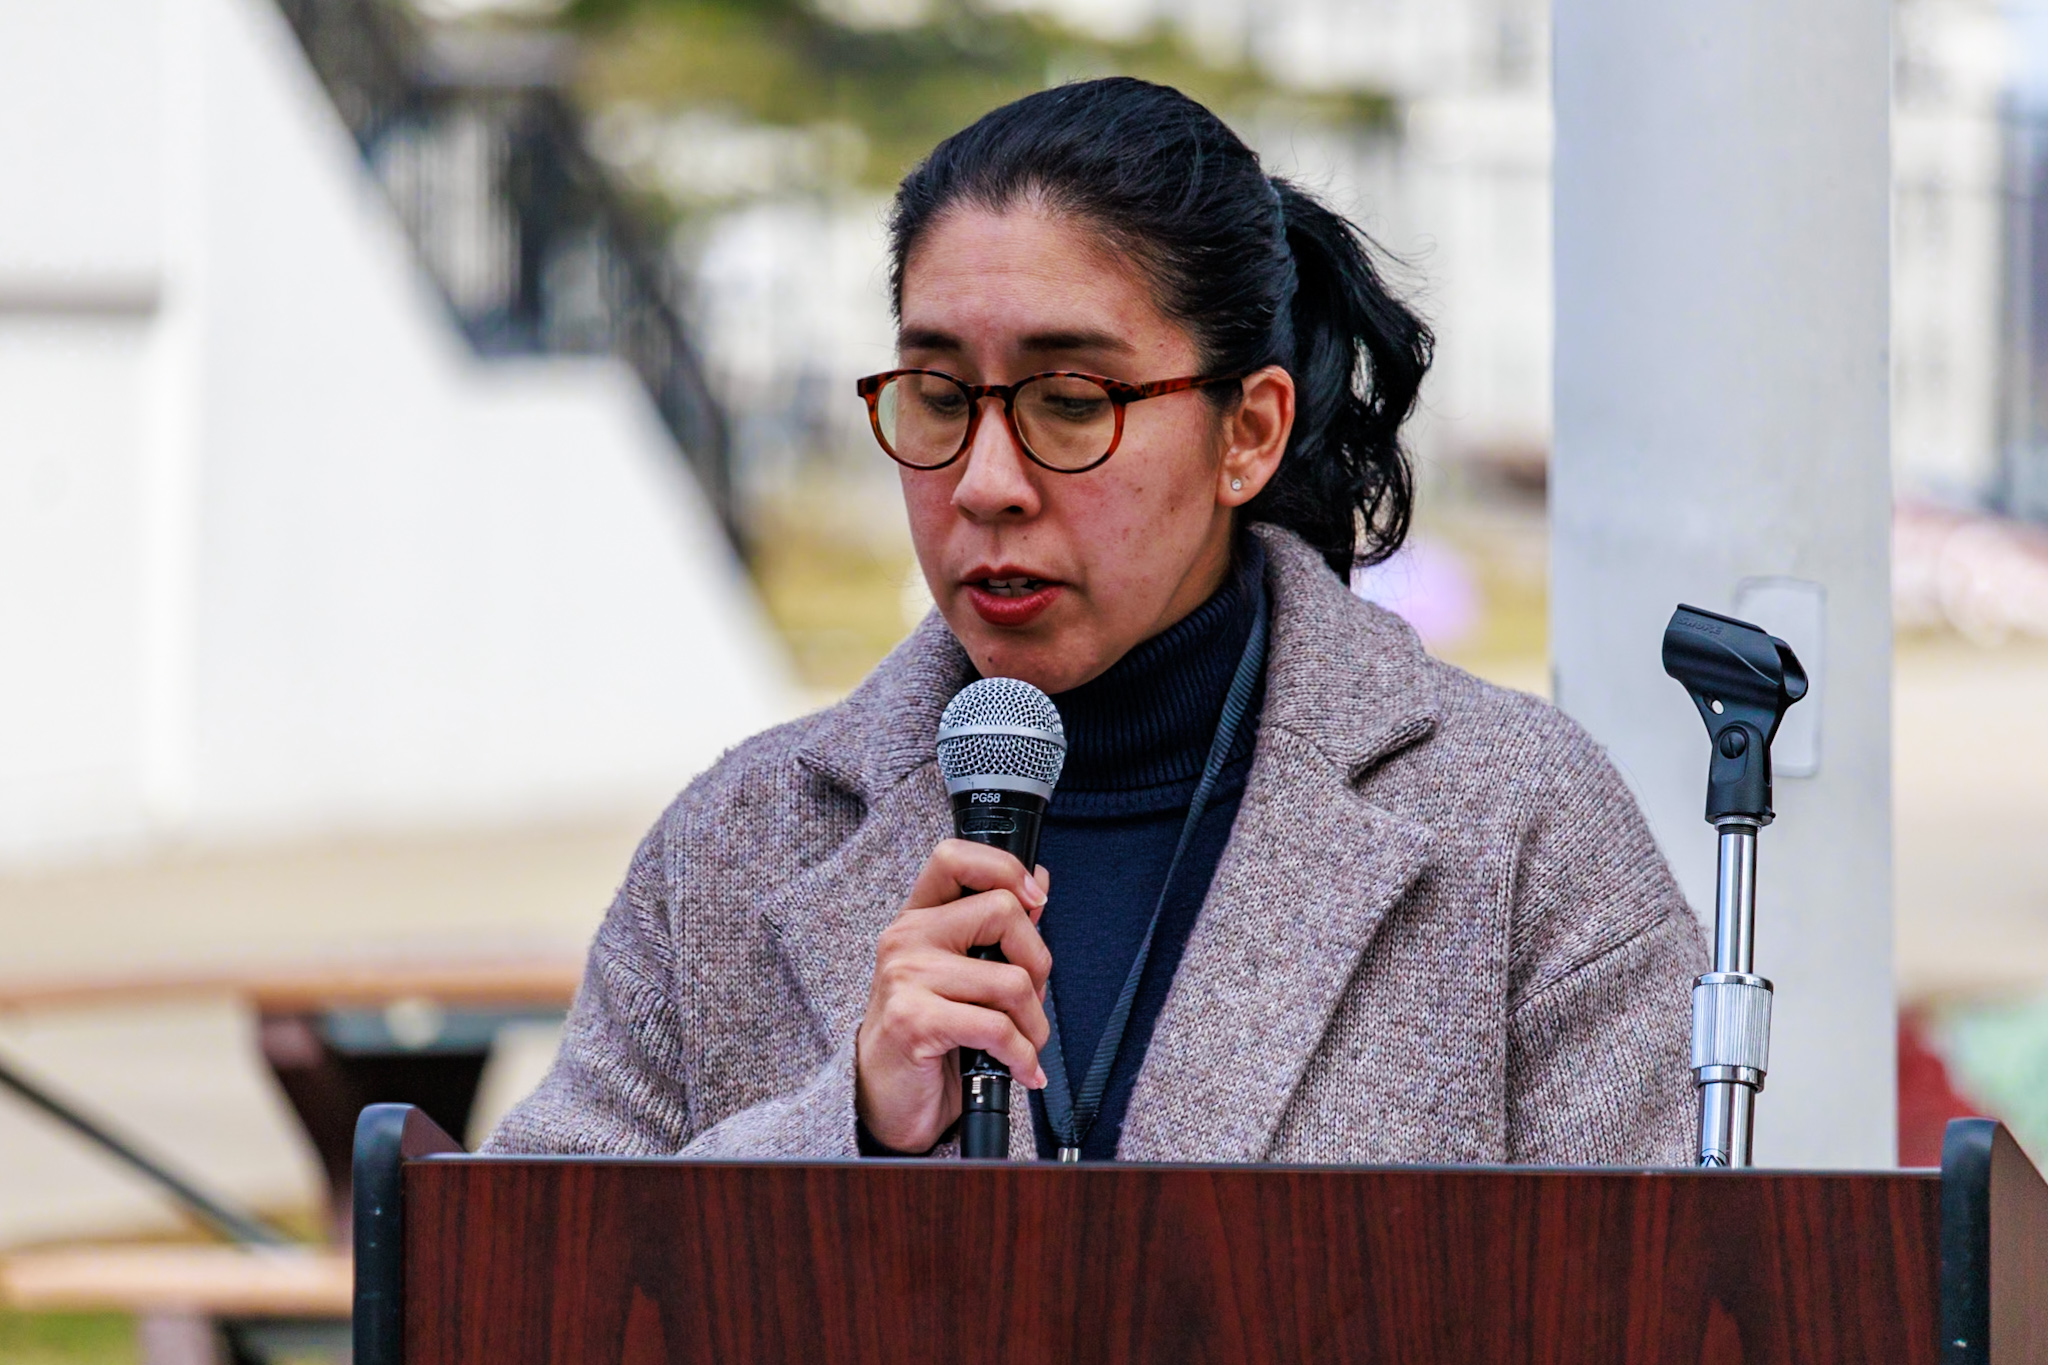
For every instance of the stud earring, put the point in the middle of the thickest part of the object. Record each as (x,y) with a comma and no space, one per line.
(1237,485)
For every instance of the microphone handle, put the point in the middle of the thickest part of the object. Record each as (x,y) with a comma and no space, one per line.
(984,1094)
(1006,820)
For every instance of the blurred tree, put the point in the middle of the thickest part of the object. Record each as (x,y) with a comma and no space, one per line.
(902,85)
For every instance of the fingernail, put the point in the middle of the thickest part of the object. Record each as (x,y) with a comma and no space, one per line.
(1039,1082)
(1033,892)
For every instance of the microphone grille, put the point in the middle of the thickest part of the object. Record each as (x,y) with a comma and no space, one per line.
(1002,728)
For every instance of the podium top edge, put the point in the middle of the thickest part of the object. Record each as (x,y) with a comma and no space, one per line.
(1211,1168)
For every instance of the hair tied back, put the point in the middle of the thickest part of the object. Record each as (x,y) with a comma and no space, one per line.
(1289,283)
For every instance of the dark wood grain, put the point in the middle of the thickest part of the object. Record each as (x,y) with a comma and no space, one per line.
(511,1261)
(2017,1255)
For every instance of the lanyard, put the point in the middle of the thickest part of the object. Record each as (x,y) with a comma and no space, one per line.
(1073,1115)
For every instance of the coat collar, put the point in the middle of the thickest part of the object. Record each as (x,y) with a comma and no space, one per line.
(1347,686)
(1348,677)
(885,729)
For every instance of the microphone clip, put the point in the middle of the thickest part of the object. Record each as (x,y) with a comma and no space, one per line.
(1743,680)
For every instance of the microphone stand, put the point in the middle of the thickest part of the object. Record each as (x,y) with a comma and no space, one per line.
(1743,680)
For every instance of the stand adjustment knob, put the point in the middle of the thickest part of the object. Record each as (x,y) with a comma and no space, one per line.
(1731,1028)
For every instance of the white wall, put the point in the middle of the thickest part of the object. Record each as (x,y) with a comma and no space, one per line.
(72,423)
(278,555)
(83,143)
(80,262)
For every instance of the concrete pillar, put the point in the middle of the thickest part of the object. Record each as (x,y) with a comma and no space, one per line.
(1722,275)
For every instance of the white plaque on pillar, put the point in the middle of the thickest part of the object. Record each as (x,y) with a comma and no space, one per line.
(1795,611)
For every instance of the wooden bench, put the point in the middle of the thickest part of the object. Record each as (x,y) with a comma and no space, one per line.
(195,1305)
(337,1038)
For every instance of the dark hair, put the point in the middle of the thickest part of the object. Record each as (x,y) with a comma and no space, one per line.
(1257,270)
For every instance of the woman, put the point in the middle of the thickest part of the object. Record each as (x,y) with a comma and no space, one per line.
(1147,418)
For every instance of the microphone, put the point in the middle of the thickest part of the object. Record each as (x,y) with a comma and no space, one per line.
(1001,748)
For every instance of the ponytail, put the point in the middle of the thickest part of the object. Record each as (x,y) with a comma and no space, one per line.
(1346,485)
(1257,270)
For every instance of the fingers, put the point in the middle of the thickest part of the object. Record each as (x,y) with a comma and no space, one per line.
(923,1032)
(960,863)
(929,998)
(906,978)
(999,986)
(996,1034)
(991,917)
(968,895)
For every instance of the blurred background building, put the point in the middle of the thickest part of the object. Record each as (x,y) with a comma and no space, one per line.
(427,438)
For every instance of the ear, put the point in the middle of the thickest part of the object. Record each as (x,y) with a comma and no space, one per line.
(1255,436)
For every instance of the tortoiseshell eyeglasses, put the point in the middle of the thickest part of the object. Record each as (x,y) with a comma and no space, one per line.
(1064,420)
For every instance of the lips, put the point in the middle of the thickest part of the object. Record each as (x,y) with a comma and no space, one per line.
(1009,598)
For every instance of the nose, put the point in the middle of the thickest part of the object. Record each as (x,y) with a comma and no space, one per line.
(999,482)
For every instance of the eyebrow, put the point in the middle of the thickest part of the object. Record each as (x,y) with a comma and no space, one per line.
(1038,343)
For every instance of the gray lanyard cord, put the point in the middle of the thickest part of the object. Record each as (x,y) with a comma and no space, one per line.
(1073,1116)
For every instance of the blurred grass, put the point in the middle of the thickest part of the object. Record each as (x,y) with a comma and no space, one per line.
(1997,1050)
(109,1338)
(837,601)
(67,1339)
(1505,550)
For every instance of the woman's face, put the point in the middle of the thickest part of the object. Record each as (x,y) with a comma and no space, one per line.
(1053,577)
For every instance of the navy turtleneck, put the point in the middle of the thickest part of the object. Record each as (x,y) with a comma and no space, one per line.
(1137,739)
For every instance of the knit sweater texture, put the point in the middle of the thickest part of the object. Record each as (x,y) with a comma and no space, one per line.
(1439,932)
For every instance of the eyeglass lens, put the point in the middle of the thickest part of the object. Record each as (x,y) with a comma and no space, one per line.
(1064,421)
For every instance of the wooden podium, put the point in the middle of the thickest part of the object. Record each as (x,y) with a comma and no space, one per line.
(507,1260)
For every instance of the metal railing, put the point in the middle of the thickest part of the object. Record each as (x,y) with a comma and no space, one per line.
(523,229)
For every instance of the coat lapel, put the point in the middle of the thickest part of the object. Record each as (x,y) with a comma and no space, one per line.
(877,745)
(1277,943)
(829,919)
(1311,871)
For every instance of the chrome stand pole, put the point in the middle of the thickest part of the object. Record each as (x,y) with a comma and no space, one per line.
(1731,1008)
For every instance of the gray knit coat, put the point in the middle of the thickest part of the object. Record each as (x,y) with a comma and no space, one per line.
(1440,931)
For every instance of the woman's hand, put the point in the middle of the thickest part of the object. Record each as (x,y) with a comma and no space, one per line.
(929,999)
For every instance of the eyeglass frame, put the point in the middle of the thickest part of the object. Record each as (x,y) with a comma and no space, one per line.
(1121,395)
